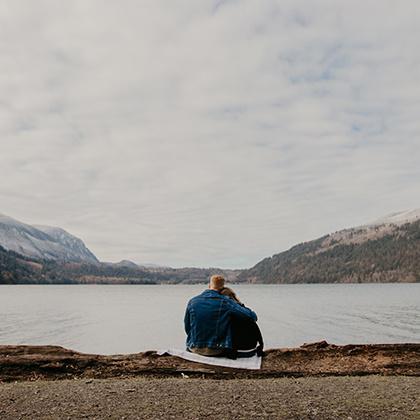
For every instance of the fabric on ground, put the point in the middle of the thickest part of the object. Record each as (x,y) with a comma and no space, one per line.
(253,362)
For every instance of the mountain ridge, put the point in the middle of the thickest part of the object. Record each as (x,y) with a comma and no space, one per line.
(387,250)
(398,218)
(42,242)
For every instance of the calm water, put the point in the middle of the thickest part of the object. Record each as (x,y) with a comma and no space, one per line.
(128,319)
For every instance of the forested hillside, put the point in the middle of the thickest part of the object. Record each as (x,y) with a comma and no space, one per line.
(17,269)
(388,253)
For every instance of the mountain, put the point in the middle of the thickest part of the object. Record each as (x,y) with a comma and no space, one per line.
(42,242)
(48,255)
(387,250)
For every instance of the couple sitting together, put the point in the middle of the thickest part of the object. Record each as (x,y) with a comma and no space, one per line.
(218,324)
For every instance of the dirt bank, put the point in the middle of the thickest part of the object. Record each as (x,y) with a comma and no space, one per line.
(318,359)
(367,397)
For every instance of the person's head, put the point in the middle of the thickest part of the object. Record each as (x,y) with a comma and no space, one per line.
(217,282)
(229,293)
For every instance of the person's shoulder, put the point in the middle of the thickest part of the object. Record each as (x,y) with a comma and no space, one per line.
(209,293)
(197,297)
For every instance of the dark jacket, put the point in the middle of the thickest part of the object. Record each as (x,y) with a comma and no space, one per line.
(208,320)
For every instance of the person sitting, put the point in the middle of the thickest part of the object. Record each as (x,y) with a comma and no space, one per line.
(208,320)
(246,335)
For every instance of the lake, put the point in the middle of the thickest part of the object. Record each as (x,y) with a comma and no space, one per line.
(110,319)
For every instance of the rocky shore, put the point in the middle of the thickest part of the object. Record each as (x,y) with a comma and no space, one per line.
(19,363)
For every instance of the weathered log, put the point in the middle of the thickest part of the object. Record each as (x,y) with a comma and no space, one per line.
(316,359)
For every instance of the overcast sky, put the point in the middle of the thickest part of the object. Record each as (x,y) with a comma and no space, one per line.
(208,133)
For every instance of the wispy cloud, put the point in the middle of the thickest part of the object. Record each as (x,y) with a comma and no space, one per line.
(207,133)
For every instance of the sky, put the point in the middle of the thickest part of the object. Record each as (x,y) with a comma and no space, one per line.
(208,133)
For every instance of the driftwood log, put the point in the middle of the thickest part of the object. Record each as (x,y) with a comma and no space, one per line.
(317,359)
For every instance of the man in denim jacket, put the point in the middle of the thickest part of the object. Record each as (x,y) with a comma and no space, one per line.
(208,320)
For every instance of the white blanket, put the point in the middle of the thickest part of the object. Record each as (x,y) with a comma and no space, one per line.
(253,362)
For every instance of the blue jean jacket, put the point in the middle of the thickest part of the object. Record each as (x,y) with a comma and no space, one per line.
(208,320)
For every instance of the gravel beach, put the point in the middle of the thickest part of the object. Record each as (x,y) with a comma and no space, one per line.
(368,397)
(314,381)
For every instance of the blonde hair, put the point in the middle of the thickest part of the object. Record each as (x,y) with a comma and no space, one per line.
(229,293)
(217,282)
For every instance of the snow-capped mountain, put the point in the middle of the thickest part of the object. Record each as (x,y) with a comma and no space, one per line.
(43,242)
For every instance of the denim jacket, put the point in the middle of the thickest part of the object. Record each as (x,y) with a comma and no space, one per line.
(207,320)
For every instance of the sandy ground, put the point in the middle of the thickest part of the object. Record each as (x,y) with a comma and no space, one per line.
(368,397)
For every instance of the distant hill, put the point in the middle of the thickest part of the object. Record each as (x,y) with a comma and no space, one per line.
(387,250)
(19,269)
(42,242)
(123,263)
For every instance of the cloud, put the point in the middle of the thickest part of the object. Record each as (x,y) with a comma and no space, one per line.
(207,133)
